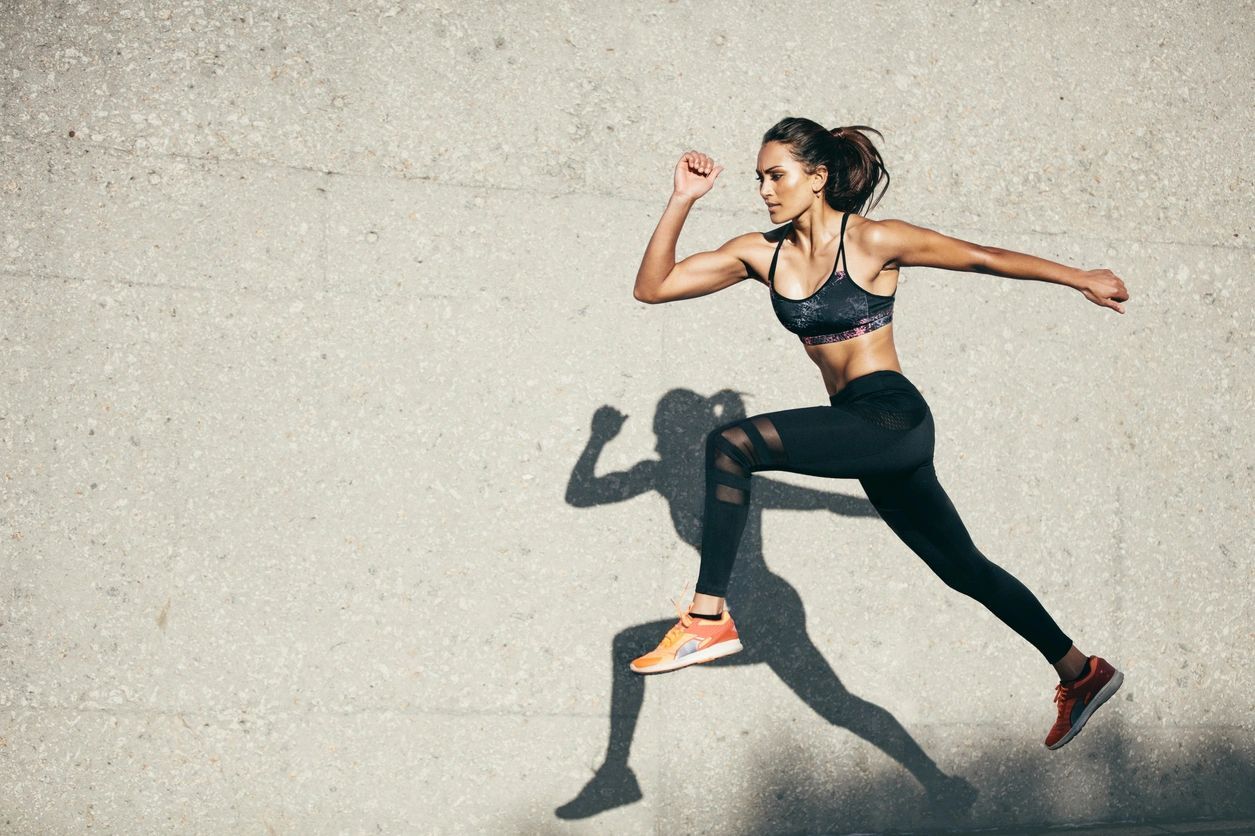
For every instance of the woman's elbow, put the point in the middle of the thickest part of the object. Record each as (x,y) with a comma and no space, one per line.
(982,259)
(647,291)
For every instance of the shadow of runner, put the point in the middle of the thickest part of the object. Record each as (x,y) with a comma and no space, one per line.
(770,614)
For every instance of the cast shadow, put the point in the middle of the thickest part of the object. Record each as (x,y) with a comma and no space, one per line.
(774,631)
(1113,773)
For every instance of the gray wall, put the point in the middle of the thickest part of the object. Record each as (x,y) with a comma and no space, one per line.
(307,309)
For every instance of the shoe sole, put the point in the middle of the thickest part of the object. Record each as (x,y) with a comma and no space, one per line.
(715,651)
(1101,697)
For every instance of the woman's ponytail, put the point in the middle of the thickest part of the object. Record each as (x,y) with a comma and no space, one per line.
(854,165)
(861,169)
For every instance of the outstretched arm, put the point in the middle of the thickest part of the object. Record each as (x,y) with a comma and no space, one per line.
(907,245)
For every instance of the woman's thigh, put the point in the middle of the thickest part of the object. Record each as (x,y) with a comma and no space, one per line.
(835,442)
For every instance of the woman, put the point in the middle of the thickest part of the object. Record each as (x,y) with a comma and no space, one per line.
(877,427)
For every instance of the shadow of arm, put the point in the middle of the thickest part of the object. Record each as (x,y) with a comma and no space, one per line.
(783,496)
(585,489)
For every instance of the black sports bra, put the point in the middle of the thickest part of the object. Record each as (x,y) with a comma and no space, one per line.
(838,310)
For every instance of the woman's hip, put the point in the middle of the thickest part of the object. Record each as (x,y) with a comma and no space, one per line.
(882,382)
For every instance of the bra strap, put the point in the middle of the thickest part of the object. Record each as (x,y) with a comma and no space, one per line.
(771,274)
(841,246)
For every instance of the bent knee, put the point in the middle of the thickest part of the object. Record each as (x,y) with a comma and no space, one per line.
(972,576)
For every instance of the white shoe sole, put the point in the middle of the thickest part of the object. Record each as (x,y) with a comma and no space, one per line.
(713,652)
(1101,697)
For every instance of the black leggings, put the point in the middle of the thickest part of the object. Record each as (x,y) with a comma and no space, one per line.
(879,430)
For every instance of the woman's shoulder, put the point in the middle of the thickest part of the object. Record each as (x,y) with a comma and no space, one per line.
(756,248)
(747,244)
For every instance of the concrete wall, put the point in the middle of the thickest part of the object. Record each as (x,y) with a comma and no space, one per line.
(307,309)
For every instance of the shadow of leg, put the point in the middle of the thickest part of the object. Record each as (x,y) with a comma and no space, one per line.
(809,675)
(614,784)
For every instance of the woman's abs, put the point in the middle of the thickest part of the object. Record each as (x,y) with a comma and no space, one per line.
(840,362)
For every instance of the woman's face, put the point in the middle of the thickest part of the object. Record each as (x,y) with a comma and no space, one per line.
(783,184)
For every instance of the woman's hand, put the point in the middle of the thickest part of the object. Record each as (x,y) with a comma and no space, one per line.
(1103,287)
(695,173)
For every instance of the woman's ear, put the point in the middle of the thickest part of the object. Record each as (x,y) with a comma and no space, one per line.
(821,174)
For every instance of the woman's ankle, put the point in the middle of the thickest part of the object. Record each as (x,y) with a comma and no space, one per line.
(1072,665)
(706,604)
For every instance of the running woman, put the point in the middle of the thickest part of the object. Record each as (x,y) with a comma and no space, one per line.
(877,427)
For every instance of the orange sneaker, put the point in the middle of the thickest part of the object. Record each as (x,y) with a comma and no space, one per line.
(690,641)
(1079,699)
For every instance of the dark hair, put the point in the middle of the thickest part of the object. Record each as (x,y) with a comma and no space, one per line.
(854,165)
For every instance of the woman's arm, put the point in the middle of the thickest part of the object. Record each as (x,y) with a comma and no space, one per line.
(698,275)
(660,278)
(907,245)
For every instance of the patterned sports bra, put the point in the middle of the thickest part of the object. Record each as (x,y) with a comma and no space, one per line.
(838,310)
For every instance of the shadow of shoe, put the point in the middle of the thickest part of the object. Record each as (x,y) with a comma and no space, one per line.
(951,798)
(611,786)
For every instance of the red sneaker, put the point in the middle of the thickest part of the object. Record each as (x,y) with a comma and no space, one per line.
(1079,699)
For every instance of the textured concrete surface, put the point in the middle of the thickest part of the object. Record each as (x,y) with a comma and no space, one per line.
(307,308)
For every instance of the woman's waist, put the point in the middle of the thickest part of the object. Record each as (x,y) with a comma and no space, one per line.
(875,382)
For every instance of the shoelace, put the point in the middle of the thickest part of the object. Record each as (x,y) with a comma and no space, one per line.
(1062,692)
(674,634)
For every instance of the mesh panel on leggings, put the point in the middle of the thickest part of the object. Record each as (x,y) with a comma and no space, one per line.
(740,454)
(890,410)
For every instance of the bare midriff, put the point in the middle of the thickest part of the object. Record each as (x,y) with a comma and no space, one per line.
(843,361)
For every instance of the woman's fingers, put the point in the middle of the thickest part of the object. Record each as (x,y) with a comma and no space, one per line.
(1107,289)
(699,162)
(695,173)
(1119,293)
